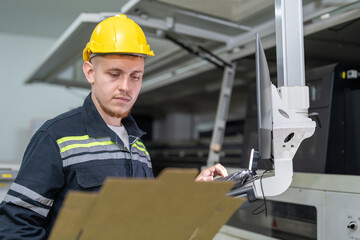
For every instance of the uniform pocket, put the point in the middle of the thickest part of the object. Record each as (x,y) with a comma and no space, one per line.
(93,177)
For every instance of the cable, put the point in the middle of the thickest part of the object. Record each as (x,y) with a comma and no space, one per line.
(199,54)
(269,163)
(257,210)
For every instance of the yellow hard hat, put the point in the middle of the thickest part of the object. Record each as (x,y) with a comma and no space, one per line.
(117,34)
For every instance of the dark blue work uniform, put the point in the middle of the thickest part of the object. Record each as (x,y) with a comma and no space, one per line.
(74,151)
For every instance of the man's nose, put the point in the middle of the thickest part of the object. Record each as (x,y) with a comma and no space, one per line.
(124,83)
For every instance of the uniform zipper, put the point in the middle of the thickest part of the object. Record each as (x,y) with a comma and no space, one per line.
(130,152)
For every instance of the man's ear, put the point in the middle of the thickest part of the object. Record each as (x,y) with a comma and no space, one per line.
(89,72)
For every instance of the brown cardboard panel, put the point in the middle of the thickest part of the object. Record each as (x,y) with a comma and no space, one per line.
(177,175)
(218,219)
(171,207)
(73,215)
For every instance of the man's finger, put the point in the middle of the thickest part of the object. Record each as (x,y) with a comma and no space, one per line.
(220,170)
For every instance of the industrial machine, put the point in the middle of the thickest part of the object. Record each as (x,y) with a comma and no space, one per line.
(8,172)
(322,200)
(316,206)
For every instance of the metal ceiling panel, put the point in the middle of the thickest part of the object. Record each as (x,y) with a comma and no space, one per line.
(232,10)
(67,50)
(155,14)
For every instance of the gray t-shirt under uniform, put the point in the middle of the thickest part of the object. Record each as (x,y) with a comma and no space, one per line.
(122,133)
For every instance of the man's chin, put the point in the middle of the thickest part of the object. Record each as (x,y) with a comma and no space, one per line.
(125,115)
(114,113)
(122,114)
(119,115)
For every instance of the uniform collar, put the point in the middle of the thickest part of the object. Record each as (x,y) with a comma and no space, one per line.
(96,126)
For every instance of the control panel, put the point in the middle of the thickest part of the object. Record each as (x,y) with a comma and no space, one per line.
(342,216)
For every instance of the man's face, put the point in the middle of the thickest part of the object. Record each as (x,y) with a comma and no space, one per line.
(115,82)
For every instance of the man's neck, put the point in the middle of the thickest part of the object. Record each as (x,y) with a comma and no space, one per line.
(109,120)
(116,122)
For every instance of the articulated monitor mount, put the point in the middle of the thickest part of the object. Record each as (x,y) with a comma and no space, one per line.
(283,119)
(283,123)
(290,126)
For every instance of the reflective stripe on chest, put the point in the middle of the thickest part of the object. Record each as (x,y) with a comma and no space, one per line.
(80,149)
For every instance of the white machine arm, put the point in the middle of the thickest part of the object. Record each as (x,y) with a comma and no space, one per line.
(291,125)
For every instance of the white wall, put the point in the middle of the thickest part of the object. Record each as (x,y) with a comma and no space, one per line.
(21,104)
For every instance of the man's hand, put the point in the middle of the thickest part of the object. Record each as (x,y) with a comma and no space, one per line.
(208,174)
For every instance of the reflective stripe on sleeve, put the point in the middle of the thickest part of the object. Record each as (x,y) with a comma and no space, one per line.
(17,201)
(31,194)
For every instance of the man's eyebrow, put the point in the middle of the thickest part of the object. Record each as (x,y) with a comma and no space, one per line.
(115,69)
(120,70)
(138,71)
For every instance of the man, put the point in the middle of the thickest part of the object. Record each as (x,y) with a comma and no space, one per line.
(79,149)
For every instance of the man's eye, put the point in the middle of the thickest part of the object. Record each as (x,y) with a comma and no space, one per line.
(114,74)
(136,77)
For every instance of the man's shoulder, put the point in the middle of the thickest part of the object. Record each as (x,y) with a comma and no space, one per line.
(67,123)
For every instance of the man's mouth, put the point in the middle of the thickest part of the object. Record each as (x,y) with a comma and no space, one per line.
(123,99)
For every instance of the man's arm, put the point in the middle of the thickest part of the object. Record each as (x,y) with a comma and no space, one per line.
(29,200)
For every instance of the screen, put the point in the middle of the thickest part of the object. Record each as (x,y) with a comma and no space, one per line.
(264,102)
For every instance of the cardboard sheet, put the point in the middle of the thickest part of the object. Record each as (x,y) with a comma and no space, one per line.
(172,206)
(73,215)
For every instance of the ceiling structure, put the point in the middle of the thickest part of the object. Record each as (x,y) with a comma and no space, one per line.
(48,18)
(176,79)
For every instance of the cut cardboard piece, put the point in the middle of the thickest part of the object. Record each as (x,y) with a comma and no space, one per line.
(73,215)
(172,206)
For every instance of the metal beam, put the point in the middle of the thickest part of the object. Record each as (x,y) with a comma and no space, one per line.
(215,20)
(221,114)
(180,28)
(289,43)
(65,83)
(176,74)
